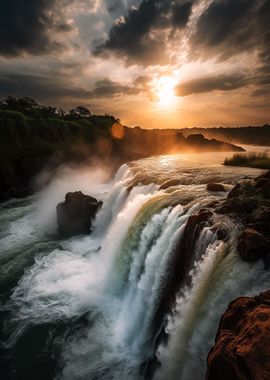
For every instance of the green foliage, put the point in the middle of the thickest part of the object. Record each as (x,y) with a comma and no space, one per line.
(28,142)
(252,160)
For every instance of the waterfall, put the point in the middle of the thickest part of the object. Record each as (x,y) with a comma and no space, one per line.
(110,284)
(218,277)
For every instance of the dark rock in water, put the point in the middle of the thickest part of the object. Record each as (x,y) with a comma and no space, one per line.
(76,213)
(235,191)
(180,264)
(252,245)
(265,190)
(215,187)
(193,228)
(262,185)
(182,258)
(261,221)
(231,206)
(241,350)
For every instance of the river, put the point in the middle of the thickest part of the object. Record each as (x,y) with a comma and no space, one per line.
(84,307)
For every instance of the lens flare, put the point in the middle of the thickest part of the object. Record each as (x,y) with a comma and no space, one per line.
(118,131)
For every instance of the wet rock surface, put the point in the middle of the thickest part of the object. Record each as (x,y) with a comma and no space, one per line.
(241,350)
(249,202)
(215,187)
(76,213)
(252,245)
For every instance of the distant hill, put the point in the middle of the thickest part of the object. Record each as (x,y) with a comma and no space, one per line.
(34,138)
(259,135)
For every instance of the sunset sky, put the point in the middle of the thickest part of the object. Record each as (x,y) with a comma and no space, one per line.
(154,63)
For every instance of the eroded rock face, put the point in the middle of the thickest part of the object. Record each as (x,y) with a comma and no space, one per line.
(241,350)
(252,245)
(76,213)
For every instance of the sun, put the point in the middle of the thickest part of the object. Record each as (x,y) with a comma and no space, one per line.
(165,91)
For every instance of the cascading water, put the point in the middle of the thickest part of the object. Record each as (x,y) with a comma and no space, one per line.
(90,304)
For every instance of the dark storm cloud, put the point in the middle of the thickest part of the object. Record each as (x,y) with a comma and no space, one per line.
(208,84)
(228,27)
(224,25)
(44,88)
(28,26)
(107,88)
(138,37)
(118,7)
(38,86)
(181,13)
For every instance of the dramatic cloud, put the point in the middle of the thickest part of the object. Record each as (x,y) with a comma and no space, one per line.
(43,88)
(106,88)
(39,87)
(229,27)
(31,26)
(140,36)
(128,56)
(208,84)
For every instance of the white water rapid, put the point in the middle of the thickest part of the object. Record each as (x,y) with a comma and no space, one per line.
(92,301)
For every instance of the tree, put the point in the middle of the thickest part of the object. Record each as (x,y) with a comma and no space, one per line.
(80,112)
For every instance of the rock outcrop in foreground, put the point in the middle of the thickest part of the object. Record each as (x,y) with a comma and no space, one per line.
(242,348)
(76,213)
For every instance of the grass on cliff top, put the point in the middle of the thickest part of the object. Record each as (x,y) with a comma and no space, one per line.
(251,160)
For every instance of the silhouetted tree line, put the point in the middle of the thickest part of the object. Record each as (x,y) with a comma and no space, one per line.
(29,107)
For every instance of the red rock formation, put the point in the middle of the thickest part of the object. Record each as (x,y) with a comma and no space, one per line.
(242,347)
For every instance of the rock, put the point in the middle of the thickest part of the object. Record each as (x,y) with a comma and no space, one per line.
(241,350)
(263,214)
(76,213)
(215,187)
(194,226)
(264,176)
(235,191)
(265,190)
(261,221)
(262,185)
(252,245)
(231,206)
(169,183)
(181,262)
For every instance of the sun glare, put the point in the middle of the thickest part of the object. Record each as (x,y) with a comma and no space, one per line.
(165,91)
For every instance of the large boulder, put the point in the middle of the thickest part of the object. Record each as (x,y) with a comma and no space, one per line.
(76,213)
(215,187)
(252,245)
(241,350)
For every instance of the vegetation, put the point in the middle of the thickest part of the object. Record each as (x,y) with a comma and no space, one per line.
(35,137)
(252,160)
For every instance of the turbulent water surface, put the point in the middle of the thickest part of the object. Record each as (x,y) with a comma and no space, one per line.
(85,307)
